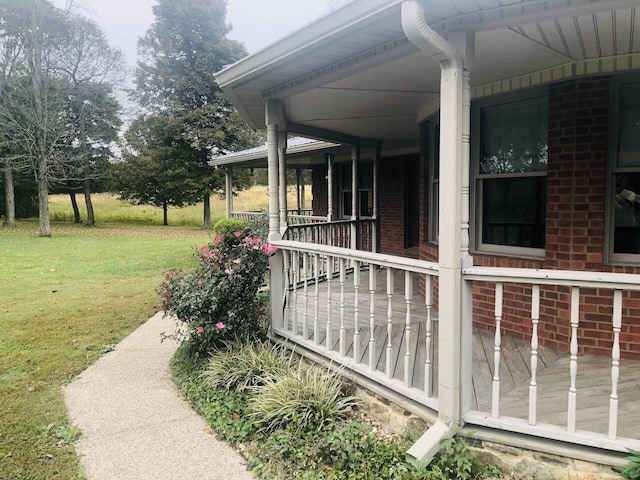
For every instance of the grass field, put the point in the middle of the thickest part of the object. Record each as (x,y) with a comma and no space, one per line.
(64,301)
(109,209)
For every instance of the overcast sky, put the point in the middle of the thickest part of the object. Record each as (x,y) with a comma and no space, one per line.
(256,23)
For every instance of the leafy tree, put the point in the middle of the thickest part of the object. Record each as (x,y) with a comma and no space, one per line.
(91,66)
(180,52)
(153,171)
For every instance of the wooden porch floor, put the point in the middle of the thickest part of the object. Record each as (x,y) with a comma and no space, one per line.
(553,380)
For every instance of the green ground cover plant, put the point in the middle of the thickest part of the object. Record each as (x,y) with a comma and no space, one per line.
(64,301)
(342,447)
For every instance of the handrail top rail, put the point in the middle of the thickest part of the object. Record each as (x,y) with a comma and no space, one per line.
(247,212)
(403,263)
(570,278)
(332,222)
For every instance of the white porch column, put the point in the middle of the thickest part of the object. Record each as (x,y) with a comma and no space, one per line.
(282,167)
(355,197)
(228,189)
(376,165)
(450,277)
(330,213)
(299,191)
(274,117)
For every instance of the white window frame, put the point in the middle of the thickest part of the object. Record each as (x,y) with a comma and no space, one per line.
(613,170)
(477,178)
(341,191)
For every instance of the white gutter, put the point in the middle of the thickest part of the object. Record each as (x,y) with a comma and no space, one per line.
(451,64)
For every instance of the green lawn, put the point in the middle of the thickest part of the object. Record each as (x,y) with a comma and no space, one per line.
(63,302)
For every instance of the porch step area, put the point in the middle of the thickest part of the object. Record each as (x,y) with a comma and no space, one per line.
(339,315)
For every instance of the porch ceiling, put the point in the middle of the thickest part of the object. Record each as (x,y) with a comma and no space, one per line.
(354,72)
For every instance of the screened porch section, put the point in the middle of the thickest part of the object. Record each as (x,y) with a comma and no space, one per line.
(376,315)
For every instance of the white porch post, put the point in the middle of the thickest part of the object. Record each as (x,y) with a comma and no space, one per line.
(450,277)
(228,188)
(355,197)
(274,118)
(329,158)
(282,167)
(299,191)
(374,233)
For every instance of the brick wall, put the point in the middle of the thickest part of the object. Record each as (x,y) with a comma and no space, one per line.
(575,231)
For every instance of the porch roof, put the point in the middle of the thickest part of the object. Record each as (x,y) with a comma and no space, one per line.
(353,74)
(301,151)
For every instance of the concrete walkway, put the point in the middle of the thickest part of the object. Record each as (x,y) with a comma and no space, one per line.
(135,425)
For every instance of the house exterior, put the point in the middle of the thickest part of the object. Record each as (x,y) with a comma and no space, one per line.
(487,268)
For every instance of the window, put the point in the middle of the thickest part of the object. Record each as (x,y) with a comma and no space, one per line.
(626,173)
(365,189)
(511,174)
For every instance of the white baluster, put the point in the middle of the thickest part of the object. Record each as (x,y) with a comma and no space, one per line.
(497,342)
(372,316)
(389,365)
(316,297)
(615,364)
(408,296)
(305,317)
(343,332)
(329,272)
(287,289)
(356,312)
(533,385)
(295,276)
(428,363)
(573,360)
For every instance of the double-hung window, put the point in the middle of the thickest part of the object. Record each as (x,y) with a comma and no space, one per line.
(624,199)
(365,189)
(510,174)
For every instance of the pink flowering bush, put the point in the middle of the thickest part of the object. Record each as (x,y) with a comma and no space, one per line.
(220,298)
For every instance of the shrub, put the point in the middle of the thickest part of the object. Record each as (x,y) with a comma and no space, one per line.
(228,226)
(244,365)
(218,300)
(631,470)
(304,398)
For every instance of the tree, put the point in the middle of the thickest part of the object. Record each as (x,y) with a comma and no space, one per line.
(30,111)
(152,172)
(91,66)
(180,52)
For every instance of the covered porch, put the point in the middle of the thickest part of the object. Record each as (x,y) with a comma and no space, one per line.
(378,317)
(519,278)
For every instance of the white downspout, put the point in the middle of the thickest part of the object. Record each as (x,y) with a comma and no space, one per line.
(451,64)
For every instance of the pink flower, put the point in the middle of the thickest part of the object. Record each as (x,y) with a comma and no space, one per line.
(237,234)
(248,239)
(257,240)
(218,239)
(170,273)
(200,329)
(209,253)
(237,260)
(269,249)
(199,283)
(227,270)
(204,248)
(220,325)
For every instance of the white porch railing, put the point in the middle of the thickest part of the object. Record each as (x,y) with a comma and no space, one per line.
(245,215)
(535,407)
(358,234)
(294,217)
(343,305)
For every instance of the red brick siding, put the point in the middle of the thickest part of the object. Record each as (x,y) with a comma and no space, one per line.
(575,232)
